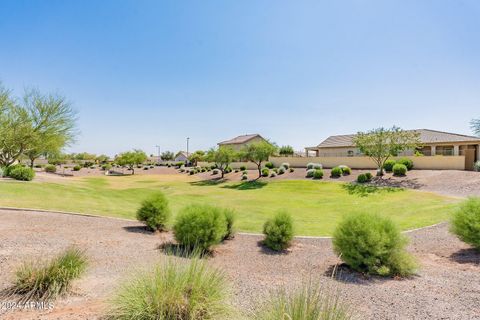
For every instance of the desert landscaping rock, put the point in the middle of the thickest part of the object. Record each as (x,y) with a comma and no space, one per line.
(447,285)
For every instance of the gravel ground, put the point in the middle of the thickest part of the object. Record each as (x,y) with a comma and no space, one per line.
(446,287)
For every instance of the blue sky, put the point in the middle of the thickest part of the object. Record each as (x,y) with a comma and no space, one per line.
(146,73)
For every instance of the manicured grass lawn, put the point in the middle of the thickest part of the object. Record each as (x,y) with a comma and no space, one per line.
(316,206)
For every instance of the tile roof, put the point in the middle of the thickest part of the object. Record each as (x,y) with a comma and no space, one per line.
(240,139)
(426,136)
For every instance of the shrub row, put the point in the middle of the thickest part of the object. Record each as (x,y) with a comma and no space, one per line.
(389,165)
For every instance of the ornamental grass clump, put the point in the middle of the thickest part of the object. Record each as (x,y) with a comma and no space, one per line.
(200,227)
(175,289)
(155,212)
(465,223)
(278,231)
(309,302)
(48,280)
(373,244)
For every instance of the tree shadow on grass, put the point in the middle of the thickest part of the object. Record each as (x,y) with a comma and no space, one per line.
(248,185)
(471,256)
(364,190)
(209,182)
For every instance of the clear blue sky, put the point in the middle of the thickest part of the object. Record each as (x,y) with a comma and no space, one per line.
(143,73)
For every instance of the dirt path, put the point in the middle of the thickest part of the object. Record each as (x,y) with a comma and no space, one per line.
(447,286)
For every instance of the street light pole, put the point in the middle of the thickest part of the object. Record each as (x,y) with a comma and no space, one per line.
(158,151)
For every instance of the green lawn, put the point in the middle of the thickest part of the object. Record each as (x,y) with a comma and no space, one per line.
(316,206)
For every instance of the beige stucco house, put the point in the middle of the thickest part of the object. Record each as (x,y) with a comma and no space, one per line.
(434,143)
(239,142)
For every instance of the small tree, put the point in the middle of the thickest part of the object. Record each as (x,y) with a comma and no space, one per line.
(222,157)
(380,144)
(475,125)
(130,159)
(286,151)
(258,153)
(167,156)
(195,157)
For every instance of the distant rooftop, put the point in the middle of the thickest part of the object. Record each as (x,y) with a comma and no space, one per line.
(240,139)
(426,136)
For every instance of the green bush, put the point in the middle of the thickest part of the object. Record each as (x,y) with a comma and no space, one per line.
(7,170)
(318,174)
(286,165)
(388,165)
(476,166)
(107,166)
(278,231)
(230,218)
(407,162)
(269,165)
(273,174)
(50,168)
(228,169)
(281,170)
(192,172)
(310,165)
(399,170)
(373,244)
(369,176)
(175,289)
(243,168)
(215,171)
(291,170)
(317,166)
(310,173)
(265,172)
(309,302)
(336,172)
(244,177)
(362,178)
(200,226)
(154,212)
(275,170)
(22,173)
(46,281)
(466,222)
(77,168)
(345,170)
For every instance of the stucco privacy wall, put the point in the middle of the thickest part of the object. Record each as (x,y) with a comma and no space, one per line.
(435,162)
(234,165)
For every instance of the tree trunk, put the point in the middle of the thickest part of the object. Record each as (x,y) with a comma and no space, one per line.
(31,162)
(259,170)
(133,170)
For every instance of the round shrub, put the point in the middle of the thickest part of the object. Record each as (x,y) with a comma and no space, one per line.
(236,170)
(369,176)
(281,170)
(107,166)
(192,172)
(317,174)
(243,168)
(22,173)
(275,170)
(174,289)
(7,170)
(466,222)
(317,166)
(345,170)
(77,168)
(286,165)
(336,172)
(154,212)
(200,226)
(362,178)
(373,244)
(310,165)
(407,162)
(291,170)
(476,166)
(399,170)
(278,231)
(273,174)
(265,172)
(388,165)
(50,168)
(228,169)
(244,177)
(310,173)
(215,171)
(269,165)
(230,218)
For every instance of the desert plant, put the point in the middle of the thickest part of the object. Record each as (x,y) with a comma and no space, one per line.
(309,302)
(77,168)
(244,176)
(215,171)
(310,165)
(269,165)
(388,165)
(107,166)
(369,176)
(291,170)
(7,170)
(407,162)
(200,226)
(373,244)
(286,165)
(243,168)
(336,172)
(310,173)
(317,174)
(278,231)
(281,170)
(317,166)
(362,178)
(50,168)
(273,174)
(22,173)
(191,172)
(345,170)
(466,222)
(399,170)
(476,166)
(154,212)
(230,218)
(174,289)
(47,280)
(265,172)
